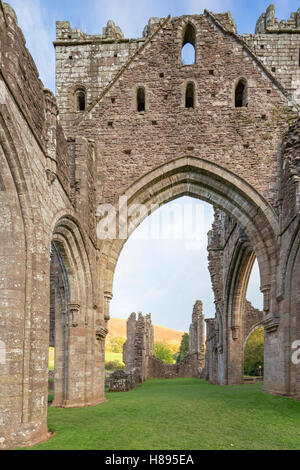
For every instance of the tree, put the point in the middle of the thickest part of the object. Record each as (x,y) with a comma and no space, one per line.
(162,352)
(184,347)
(254,353)
(115,344)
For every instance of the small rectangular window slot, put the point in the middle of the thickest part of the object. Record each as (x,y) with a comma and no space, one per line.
(113,100)
(246,146)
(211,72)
(115,54)
(269,92)
(71,57)
(127,152)
(264,117)
(154,123)
(262,46)
(273,69)
(166,97)
(162,75)
(110,124)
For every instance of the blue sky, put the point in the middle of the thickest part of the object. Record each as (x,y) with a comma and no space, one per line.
(37,19)
(163,277)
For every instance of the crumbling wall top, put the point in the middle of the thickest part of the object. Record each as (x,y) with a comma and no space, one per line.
(227,21)
(10,11)
(268,23)
(110,32)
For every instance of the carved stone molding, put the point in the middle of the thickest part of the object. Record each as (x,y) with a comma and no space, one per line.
(74,310)
(271,323)
(107,298)
(235,332)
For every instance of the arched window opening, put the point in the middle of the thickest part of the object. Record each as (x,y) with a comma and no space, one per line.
(58,333)
(190,95)
(254,354)
(141,99)
(80,99)
(241,98)
(188,51)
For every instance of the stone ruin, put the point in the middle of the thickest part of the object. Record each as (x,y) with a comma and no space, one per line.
(140,361)
(120,125)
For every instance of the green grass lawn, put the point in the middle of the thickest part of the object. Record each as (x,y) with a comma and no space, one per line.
(180,414)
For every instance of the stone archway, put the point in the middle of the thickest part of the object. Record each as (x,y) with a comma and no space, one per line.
(291,317)
(207,181)
(80,368)
(235,308)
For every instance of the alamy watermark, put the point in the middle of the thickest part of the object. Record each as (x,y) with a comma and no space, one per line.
(2,353)
(296,353)
(176,222)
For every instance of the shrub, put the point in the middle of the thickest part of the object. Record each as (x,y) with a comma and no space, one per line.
(114,365)
(162,352)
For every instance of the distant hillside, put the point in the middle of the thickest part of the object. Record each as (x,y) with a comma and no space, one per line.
(117,327)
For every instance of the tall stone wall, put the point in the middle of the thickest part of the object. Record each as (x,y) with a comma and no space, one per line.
(210,371)
(229,138)
(139,345)
(37,207)
(231,258)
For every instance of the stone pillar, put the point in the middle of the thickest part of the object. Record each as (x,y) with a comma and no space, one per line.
(211,356)
(197,334)
(139,346)
(197,338)
(128,347)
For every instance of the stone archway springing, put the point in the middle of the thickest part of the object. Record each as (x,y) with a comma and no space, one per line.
(83,352)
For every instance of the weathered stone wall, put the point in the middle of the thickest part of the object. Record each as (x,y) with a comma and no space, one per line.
(277,45)
(139,345)
(54,173)
(244,140)
(121,381)
(36,208)
(197,330)
(190,366)
(253,318)
(231,259)
(210,371)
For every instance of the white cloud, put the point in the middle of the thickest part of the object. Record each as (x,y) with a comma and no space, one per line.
(165,277)
(39,33)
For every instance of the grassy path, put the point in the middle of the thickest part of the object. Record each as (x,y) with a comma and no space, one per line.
(180,414)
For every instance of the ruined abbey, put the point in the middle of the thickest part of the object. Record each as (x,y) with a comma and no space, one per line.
(131,121)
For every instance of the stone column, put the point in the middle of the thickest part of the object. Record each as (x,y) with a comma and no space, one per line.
(51,111)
